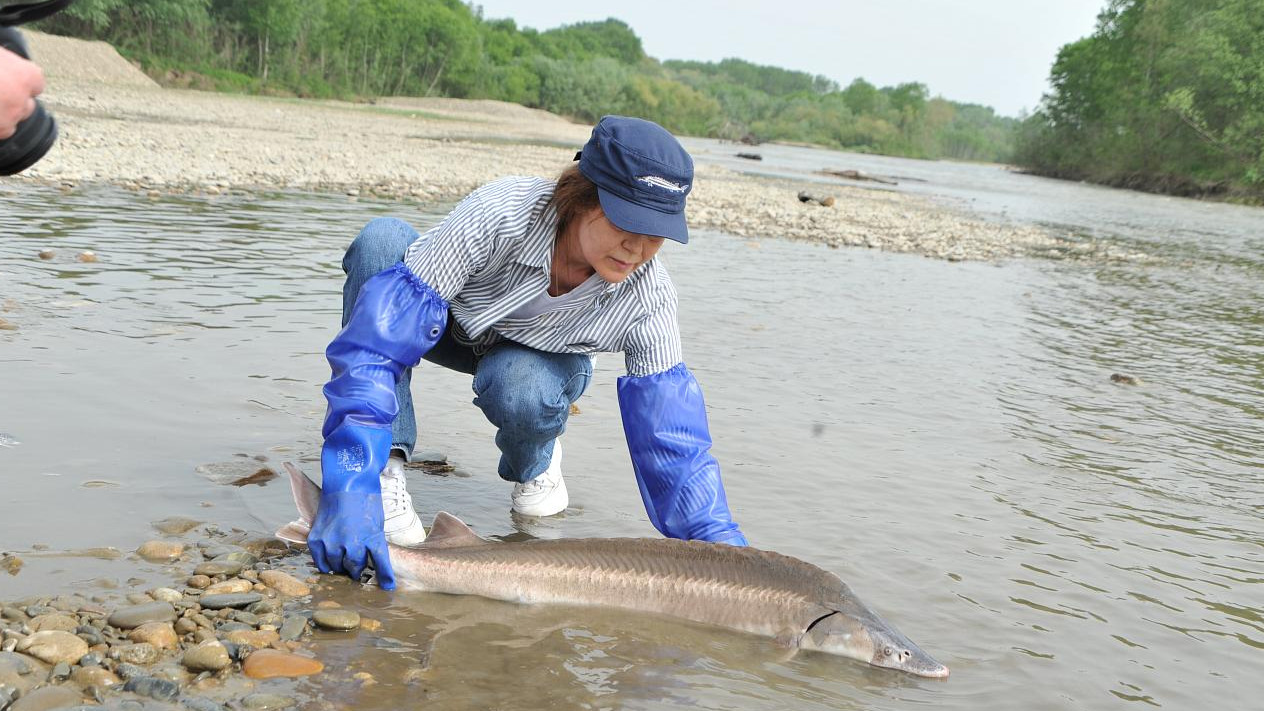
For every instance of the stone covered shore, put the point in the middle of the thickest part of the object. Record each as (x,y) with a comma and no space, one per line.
(119,127)
(235,615)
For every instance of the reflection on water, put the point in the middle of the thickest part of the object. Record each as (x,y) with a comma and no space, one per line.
(945,437)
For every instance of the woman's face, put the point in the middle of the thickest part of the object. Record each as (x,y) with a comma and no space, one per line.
(610,251)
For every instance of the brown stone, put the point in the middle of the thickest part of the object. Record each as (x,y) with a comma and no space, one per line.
(284,583)
(53,621)
(232,585)
(160,634)
(253,638)
(49,697)
(160,551)
(268,663)
(54,646)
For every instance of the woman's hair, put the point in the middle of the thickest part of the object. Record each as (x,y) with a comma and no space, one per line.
(575,195)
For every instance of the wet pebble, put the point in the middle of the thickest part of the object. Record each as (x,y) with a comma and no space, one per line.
(153,687)
(175,597)
(47,254)
(176,525)
(232,585)
(269,663)
(208,656)
(266,702)
(336,619)
(253,638)
(129,617)
(160,551)
(87,255)
(199,582)
(47,698)
(54,646)
(159,634)
(54,621)
(185,626)
(95,676)
(212,568)
(293,627)
(129,671)
(218,602)
(140,653)
(89,634)
(284,583)
(59,672)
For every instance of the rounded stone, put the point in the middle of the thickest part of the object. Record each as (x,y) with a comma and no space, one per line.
(160,551)
(53,621)
(167,595)
(253,638)
(199,582)
(140,653)
(95,676)
(159,634)
(54,646)
(219,602)
(336,619)
(185,626)
(208,656)
(269,663)
(126,618)
(49,697)
(212,568)
(284,583)
(153,687)
(232,585)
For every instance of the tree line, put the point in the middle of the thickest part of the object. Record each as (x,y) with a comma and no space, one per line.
(1165,95)
(356,49)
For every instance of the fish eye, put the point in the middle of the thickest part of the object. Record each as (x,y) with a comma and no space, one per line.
(887,651)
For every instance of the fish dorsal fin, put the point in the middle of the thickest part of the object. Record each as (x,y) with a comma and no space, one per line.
(448,531)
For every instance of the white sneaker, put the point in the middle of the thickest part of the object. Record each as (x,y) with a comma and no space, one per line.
(546,494)
(403,528)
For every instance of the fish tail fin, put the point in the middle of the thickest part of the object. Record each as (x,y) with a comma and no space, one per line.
(306,500)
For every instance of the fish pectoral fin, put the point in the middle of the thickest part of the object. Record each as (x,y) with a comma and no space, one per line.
(306,495)
(448,531)
(294,532)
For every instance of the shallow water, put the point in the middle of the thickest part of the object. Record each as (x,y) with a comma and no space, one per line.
(945,437)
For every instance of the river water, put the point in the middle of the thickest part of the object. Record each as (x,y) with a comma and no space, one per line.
(944,436)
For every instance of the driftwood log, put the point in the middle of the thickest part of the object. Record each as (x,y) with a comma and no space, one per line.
(857,175)
(750,156)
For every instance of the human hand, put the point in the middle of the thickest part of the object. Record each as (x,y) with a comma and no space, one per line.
(20,82)
(348,533)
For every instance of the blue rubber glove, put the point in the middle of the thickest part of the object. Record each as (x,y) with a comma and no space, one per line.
(665,421)
(396,319)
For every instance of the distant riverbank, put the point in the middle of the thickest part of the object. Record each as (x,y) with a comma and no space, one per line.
(119,127)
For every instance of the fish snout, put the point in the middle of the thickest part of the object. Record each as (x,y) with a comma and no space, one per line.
(905,656)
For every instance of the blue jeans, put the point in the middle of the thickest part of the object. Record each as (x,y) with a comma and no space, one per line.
(524,392)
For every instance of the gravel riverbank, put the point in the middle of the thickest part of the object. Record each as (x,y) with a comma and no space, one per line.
(119,127)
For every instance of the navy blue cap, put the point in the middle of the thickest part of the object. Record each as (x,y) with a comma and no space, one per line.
(642,174)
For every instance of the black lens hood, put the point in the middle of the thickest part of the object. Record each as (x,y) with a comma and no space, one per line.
(23,13)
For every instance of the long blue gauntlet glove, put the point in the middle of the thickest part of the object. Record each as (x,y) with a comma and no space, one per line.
(397,318)
(665,421)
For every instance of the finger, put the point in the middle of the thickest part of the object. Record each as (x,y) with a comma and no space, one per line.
(382,563)
(318,554)
(27,109)
(354,563)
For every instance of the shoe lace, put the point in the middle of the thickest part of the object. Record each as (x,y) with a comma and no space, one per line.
(395,493)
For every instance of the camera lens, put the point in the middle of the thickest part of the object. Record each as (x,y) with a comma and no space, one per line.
(35,135)
(33,138)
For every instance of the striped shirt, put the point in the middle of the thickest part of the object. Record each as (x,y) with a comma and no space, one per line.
(492,254)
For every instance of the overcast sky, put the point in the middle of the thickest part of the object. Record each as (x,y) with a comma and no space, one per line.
(992,52)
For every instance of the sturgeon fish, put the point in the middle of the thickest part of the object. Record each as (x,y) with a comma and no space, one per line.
(798,604)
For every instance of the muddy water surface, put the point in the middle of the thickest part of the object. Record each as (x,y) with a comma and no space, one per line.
(945,437)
